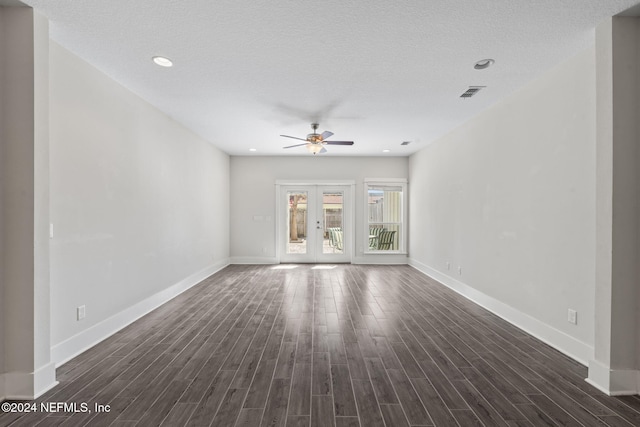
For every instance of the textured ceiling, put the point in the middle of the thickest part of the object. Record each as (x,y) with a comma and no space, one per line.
(376,72)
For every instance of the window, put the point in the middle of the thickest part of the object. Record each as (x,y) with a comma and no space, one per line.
(385,201)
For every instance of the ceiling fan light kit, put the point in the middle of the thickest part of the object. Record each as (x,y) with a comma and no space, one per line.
(315,141)
(315,148)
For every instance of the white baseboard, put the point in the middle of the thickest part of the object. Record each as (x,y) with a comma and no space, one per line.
(374,260)
(575,349)
(614,382)
(44,379)
(70,348)
(253,260)
(28,385)
(386,259)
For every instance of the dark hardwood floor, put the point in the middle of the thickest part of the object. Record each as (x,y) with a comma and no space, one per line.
(347,346)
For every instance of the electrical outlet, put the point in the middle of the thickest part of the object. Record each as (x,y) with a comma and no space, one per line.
(81,311)
(51,230)
(459,271)
(572,316)
(264,250)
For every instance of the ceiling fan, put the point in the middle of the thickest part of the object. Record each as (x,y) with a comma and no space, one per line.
(315,142)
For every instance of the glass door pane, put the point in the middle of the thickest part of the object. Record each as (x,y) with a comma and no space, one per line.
(333,219)
(315,223)
(335,235)
(297,222)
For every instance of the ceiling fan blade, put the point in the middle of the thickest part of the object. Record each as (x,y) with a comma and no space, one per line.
(293,137)
(338,142)
(326,134)
(324,150)
(297,145)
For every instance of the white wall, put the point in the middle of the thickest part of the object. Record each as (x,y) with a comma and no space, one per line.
(41,202)
(139,205)
(253,182)
(3,54)
(27,370)
(614,369)
(510,198)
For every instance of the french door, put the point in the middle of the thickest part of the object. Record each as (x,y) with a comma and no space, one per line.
(315,223)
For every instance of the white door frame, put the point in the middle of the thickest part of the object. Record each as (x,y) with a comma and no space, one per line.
(349,217)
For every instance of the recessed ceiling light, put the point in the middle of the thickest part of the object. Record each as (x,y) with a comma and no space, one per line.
(252,149)
(385,151)
(162,61)
(483,63)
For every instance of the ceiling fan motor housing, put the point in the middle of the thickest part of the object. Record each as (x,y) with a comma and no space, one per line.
(314,137)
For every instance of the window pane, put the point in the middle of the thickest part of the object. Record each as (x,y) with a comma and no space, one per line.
(385,237)
(385,217)
(385,204)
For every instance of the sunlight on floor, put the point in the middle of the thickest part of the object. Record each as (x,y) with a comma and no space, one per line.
(284,267)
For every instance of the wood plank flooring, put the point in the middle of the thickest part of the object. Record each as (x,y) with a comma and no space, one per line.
(295,345)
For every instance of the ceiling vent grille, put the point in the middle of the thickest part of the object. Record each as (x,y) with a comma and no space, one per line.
(471,91)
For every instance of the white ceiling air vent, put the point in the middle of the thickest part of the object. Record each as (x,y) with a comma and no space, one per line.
(471,91)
